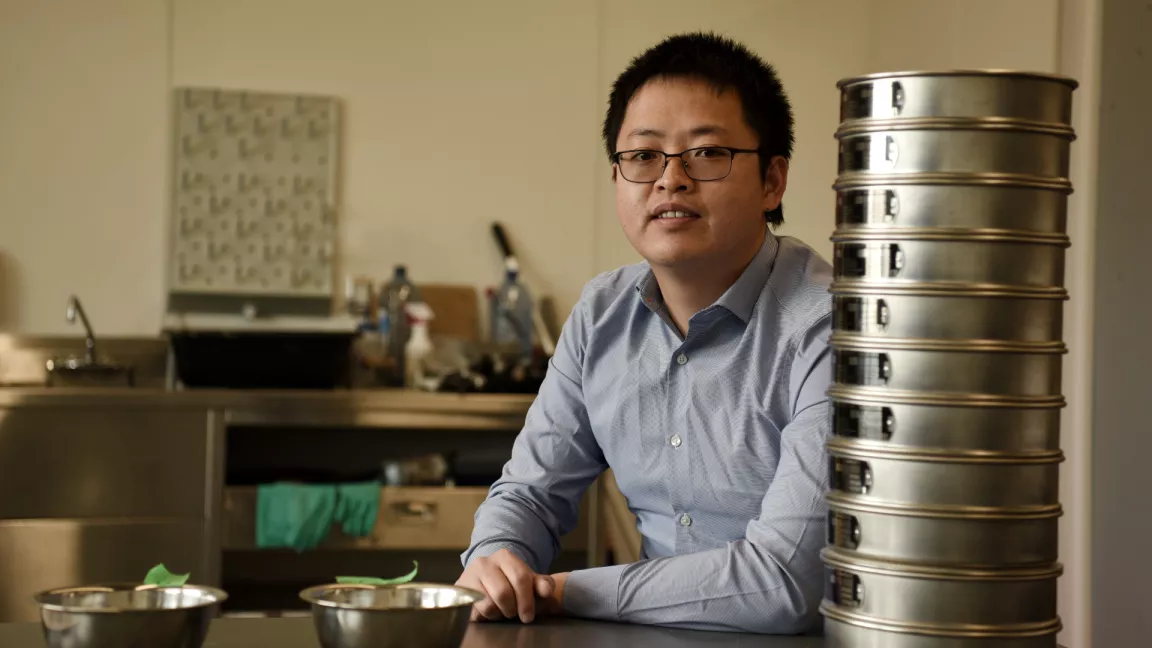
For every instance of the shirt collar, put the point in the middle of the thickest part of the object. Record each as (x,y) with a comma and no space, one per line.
(740,297)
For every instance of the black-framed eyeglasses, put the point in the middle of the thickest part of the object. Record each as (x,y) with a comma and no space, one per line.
(702,163)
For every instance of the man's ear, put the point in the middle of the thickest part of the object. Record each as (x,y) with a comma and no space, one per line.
(613,173)
(775,182)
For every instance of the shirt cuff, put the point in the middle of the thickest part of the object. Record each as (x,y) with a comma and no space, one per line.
(489,548)
(594,593)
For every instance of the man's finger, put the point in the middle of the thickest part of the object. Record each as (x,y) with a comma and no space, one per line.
(487,610)
(544,586)
(521,578)
(499,592)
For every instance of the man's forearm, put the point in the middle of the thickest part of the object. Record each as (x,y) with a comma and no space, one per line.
(740,587)
(507,520)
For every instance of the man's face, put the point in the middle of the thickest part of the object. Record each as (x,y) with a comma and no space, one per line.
(726,220)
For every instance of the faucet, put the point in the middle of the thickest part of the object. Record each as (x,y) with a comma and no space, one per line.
(74,309)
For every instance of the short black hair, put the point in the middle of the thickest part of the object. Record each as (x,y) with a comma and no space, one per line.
(725,64)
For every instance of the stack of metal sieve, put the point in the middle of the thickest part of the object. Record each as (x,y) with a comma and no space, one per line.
(947,322)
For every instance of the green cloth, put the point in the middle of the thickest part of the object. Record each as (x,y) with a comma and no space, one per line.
(300,516)
(357,506)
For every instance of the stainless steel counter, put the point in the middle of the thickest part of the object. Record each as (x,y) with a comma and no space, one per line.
(98,485)
(362,408)
(554,633)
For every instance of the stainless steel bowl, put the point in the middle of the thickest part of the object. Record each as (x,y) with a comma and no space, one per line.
(903,258)
(1018,151)
(128,615)
(914,422)
(958,93)
(945,599)
(897,367)
(412,615)
(919,313)
(846,630)
(959,202)
(974,482)
(931,537)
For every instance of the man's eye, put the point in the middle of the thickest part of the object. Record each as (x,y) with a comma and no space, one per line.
(641,156)
(710,153)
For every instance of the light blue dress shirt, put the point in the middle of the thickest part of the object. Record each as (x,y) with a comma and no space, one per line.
(716,439)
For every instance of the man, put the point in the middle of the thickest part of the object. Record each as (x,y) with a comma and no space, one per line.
(699,376)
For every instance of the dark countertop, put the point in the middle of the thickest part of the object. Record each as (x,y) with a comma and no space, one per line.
(549,633)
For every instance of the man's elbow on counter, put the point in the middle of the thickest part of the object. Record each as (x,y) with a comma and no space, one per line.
(797,608)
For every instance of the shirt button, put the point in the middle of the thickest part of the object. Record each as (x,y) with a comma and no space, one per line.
(685,520)
(681,359)
(675,441)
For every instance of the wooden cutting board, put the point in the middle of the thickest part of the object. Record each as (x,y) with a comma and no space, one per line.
(457,310)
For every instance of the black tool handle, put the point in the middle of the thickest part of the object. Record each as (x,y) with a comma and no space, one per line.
(501,239)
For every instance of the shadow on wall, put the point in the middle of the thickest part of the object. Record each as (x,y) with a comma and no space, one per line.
(7,293)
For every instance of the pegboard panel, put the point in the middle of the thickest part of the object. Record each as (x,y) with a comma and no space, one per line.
(254,194)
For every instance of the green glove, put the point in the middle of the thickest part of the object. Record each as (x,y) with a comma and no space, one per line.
(357,506)
(368,580)
(294,515)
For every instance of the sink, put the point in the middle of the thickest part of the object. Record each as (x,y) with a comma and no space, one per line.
(81,372)
(89,371)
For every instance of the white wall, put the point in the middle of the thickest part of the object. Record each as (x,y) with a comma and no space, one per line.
(457,114)
(83,134)
(442,99)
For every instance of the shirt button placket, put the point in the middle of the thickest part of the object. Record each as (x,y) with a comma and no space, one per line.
(677,385)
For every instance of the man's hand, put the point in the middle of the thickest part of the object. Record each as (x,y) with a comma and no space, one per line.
(510,588)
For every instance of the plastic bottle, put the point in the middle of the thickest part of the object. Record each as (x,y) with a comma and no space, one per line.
(419,345)
(512,318)
(394,299)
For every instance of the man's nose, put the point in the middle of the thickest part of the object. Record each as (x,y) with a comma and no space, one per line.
(674,178)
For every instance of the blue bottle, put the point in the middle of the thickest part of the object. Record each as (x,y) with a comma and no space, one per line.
(511,312)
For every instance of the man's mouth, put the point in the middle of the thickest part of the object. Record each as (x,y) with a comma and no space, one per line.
(669,215)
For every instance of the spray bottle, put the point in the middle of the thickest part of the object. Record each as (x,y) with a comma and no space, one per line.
(419,345)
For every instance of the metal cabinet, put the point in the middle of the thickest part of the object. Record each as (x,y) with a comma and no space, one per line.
(100,493)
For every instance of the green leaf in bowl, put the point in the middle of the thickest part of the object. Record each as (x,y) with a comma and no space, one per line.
(369,580)
(161,577)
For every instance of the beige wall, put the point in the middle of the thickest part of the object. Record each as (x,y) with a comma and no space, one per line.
(445,101)
(83,123)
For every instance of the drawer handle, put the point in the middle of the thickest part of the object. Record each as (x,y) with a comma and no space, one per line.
(414,511)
